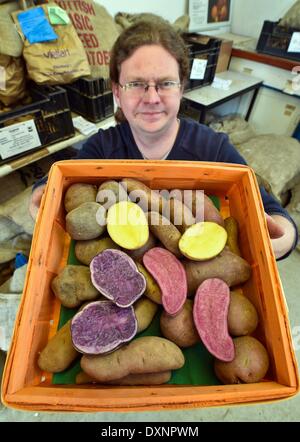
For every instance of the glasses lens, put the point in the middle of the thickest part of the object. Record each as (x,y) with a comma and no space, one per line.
(139,88)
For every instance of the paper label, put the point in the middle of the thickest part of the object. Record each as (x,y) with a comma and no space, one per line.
(18,138)
(198,69)
(219,83)
(35,26)
(58,16)
(2,79)
(83,126)
(294,45)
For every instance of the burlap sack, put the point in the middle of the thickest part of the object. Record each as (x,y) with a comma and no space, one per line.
(292,17)
(10,41)
(13,88)
(276,158)
(97,31)
(238,130)
(55,62)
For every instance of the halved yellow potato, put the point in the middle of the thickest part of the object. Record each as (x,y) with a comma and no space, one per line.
(127,225)
(203,241)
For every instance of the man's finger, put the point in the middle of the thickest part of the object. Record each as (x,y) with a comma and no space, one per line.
(275,230)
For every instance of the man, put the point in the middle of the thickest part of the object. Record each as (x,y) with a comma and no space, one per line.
(148,68)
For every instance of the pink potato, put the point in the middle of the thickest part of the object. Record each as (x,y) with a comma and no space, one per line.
(210,316)
(170,275)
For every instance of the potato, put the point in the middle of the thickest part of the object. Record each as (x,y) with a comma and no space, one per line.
(178,213)
(149,354)
(73,285)
(86,221)
(232,229)
(137,254)
(144,310)
(227,266)
(201,206)
(109,193)
(139,193)
(78,194)
(180,328)
(59,352)
(203,241)
(242,316)
(250,364)
(152,291)
(165,231)
(131,379)
(86,250)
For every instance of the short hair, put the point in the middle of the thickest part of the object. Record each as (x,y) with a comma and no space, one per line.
(148,32)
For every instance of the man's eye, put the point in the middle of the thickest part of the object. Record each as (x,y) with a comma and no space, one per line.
(168,84)
(136,85)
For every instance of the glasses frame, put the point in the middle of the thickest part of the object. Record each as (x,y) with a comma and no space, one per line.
(160,92)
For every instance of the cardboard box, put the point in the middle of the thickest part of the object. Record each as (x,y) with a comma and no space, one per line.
(25,386)
(224,55)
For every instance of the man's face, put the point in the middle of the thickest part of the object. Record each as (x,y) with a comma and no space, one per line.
(149,112)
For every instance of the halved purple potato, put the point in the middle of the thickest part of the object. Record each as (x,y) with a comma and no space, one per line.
(116,276)
(101,327)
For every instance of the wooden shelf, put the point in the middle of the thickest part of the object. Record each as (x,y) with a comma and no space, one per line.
(278,62)
(31,157)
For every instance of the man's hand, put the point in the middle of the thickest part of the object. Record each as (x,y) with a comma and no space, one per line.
(35,201)
(282,234)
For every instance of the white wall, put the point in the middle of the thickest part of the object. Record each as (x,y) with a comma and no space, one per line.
(168,9)
(248,16)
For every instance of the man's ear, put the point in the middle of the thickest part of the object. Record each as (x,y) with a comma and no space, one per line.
(116,93)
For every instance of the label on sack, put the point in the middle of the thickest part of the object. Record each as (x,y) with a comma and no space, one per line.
(198,69)
(58,16)
(35,26)
(18,138)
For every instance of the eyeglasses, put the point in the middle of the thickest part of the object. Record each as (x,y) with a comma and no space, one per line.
(139,88)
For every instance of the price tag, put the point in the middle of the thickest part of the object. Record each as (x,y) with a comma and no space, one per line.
(83,126)
(198,69)
(294,45)
(18,138)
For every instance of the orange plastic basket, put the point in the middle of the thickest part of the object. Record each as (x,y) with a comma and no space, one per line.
(24,386)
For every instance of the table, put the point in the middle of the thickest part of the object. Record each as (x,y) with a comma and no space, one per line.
(31,157)
(209,97)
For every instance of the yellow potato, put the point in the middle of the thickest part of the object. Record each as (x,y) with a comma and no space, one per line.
(127,225)
(203,241)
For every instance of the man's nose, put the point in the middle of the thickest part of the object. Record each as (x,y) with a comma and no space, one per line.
(151,94)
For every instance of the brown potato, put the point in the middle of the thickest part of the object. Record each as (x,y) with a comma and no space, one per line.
(78,194)
(59,352)
(180,328)
(227,266)
(109,193)
(250,364)
(141,194)
(86,250)
(149,354)
(86,221)
(152,291)
(242,315)
(178,213)
(165,231)
(232,229)
(73,285)
(144,311)
(137,254)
